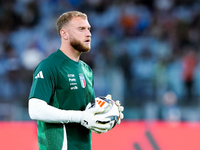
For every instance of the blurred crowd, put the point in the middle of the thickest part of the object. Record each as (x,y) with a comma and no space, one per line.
(144,52)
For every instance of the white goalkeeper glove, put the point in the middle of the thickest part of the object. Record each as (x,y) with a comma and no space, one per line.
(121,108)
(95,123)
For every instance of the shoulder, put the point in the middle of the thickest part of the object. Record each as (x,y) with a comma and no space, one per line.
(50,64)
(52,61)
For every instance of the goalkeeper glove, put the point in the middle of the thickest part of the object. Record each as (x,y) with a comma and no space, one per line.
(121,108)
(95,123)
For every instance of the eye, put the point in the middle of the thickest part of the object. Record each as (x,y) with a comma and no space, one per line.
(81,29)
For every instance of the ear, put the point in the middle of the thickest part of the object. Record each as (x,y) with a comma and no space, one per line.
(64,34)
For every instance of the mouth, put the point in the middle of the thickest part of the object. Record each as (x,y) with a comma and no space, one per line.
(87,41)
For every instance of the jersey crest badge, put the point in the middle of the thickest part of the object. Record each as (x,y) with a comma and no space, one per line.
(82,80)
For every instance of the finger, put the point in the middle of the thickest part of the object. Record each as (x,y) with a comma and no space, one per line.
(119,121)
(121,115)
(102,126)
(93,130)
(121,108)
(102,122)
(88,106)
(118,103)
(97,130)
(102,119)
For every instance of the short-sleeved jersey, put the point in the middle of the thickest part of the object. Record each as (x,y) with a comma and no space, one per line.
(68,85)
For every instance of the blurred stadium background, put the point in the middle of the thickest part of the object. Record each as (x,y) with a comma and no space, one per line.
(144,52)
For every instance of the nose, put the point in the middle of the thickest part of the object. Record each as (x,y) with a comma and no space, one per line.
(88,34)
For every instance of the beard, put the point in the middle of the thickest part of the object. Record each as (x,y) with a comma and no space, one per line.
(77,45)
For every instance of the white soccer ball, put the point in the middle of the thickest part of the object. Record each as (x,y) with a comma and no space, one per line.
(110,109)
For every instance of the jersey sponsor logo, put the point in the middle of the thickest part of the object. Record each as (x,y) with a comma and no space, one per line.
(73,83)
(82,80)
(71,75)
(72,79)
(74,88)
(39,75)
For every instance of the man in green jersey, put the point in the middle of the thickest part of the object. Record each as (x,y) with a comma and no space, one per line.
(61,89)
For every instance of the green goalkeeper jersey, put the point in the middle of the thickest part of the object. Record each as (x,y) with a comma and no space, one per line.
(68,85)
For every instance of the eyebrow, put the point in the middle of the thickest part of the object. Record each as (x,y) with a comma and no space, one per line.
(85,27)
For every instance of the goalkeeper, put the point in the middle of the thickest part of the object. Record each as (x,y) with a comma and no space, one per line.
(61,89)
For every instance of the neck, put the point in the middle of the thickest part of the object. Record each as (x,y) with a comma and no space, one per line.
(70,52)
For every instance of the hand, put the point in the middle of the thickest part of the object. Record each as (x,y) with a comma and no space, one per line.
(93,122)
(121,108)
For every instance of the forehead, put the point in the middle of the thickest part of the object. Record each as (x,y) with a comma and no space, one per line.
(79,22)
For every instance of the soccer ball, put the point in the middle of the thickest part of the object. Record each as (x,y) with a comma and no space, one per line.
(110,109)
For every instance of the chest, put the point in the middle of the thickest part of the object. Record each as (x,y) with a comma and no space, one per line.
(74,89)
(74,79)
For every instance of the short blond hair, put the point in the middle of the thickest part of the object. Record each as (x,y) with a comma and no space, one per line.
(65,18)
